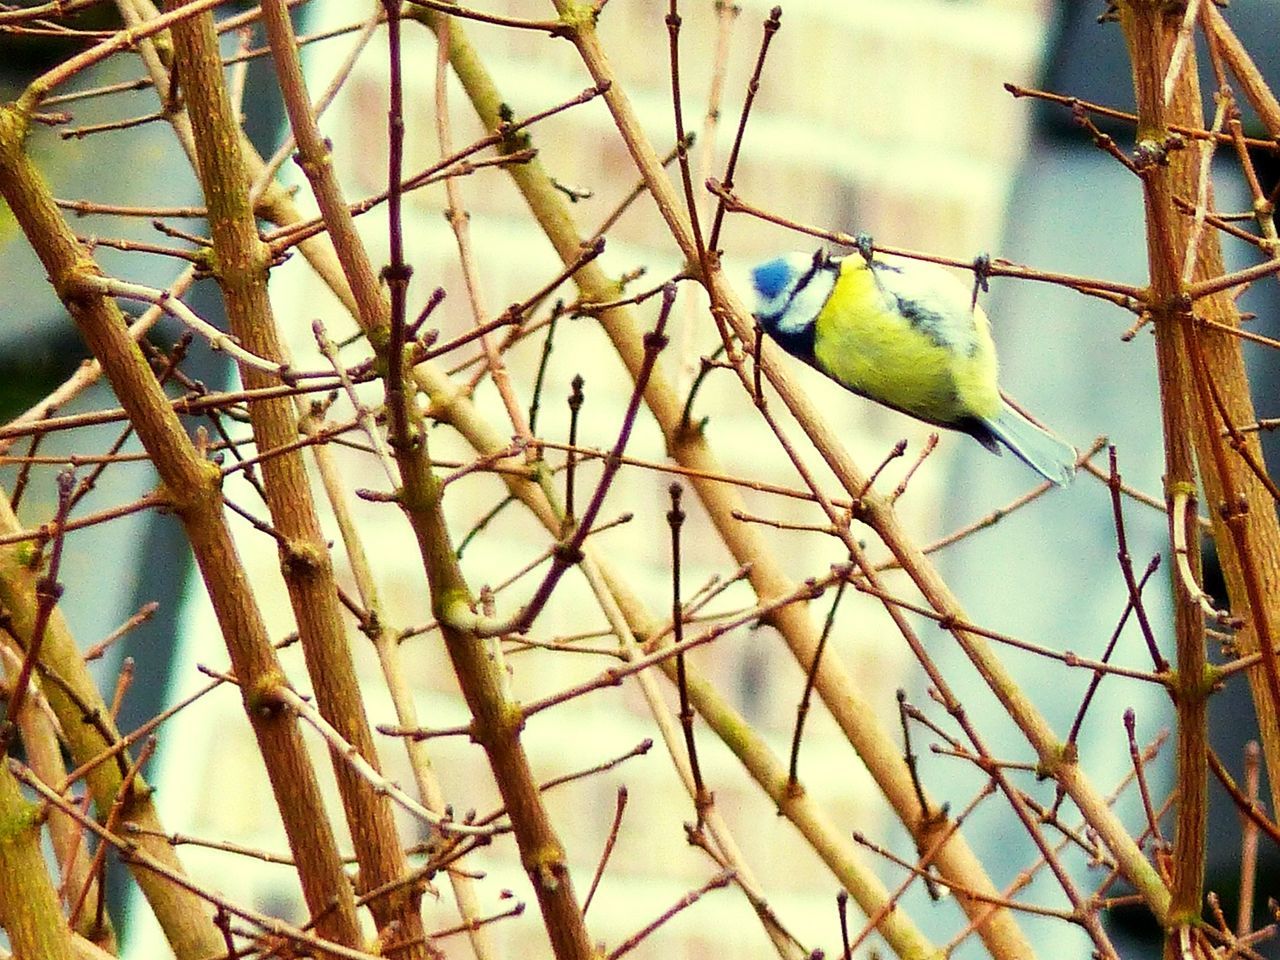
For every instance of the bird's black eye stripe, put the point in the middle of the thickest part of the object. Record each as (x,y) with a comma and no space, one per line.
(819,262)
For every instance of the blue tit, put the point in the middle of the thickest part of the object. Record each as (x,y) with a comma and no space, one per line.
(907,334)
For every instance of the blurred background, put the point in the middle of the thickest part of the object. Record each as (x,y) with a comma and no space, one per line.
(887,118)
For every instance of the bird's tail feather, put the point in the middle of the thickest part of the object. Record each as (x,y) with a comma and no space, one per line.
(1047,455)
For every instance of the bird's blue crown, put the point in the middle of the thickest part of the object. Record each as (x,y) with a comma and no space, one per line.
(771,278)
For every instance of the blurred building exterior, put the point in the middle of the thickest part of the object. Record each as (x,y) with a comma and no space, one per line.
(886,118)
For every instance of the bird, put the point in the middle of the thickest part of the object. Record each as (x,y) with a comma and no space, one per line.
(907,334)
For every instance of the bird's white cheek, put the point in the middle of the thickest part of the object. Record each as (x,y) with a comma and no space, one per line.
(807,303)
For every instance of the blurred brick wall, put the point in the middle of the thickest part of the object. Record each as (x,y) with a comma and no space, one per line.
(885,117)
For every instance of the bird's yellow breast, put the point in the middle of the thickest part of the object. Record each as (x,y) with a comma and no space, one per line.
(931,357)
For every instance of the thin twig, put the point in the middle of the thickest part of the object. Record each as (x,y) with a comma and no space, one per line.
(619,810)
(381,784)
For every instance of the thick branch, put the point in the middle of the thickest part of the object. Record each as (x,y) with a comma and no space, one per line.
(241,268)
(194,485)
(29,909)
